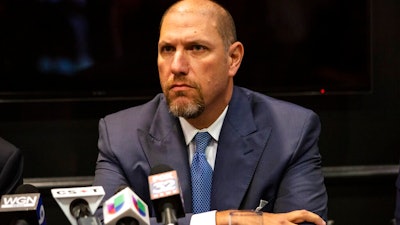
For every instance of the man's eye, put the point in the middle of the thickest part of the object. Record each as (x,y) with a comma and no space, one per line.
(198,48)
(167,49)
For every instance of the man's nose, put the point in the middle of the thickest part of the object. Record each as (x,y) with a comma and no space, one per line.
(180,63)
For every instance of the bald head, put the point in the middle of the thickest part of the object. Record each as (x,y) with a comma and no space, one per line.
(224,22)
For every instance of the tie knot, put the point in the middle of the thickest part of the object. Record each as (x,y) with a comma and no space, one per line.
(202,139)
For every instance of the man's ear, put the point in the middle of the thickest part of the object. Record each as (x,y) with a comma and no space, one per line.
(236,52)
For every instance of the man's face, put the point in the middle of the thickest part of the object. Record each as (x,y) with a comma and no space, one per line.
(193,63)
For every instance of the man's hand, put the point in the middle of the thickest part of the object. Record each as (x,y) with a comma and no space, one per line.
(290,218)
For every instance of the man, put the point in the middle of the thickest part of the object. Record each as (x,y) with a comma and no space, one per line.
(262,149)
(11,167)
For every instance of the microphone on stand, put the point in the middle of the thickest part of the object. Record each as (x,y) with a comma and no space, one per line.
(25,207)
(79,203)
(165,194)
(80,210)
(125,208)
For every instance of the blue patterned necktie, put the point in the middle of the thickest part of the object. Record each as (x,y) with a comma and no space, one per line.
(201,175)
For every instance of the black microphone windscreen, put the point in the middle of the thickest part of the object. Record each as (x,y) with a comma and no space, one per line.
(128,221)
(160,168)
(21,222)
(165,194)
(26,188)
(79,208)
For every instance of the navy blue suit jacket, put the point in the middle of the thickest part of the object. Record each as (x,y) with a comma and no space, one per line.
(267,149)
(11,167)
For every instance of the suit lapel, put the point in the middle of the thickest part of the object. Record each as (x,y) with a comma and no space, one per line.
(240,147)
(164,144)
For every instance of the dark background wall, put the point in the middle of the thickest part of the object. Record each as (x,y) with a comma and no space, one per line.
(59,139)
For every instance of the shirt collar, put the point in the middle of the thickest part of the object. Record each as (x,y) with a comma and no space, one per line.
(214,129)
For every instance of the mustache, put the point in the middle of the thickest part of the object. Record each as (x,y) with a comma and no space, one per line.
(180,82)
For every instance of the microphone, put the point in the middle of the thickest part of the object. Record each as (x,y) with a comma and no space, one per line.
(79,203)
(25,207)
(165,194)
(79,208)
(125,208)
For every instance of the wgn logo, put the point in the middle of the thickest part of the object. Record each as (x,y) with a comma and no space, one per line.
(19,201)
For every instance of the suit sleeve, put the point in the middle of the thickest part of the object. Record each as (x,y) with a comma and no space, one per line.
(108,173)
(302,186)
(111,175)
